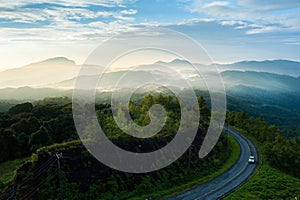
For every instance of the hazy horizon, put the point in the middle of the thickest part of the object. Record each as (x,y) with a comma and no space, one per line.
(146,62)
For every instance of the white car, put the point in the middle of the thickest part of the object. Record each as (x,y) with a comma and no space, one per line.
(251,160)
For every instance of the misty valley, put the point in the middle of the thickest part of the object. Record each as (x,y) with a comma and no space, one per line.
(37,132)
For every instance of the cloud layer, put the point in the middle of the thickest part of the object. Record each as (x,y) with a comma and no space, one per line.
(264,15)
(69,24)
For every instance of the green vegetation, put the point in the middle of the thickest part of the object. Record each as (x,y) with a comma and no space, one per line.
(83,176)
(268,183)
(120,185)
(24,128)
(280,109)
(47,127)
(281,152)
(278,176)
(8,171)
(5,105)
(198,180)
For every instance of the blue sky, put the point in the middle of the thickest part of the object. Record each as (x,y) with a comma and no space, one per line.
(229,30)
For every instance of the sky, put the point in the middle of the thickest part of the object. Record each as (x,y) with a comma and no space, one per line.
(229,31)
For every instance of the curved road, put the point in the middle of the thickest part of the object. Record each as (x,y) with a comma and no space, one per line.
(230,180)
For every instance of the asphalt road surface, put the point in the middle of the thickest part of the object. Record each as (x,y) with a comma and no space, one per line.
(230,180)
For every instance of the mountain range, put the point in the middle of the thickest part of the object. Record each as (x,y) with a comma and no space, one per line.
(267,88)
(283,67)
(56,75)
(40,73)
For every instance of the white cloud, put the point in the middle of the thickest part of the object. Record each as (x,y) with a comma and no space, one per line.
(264,13)
(63,23)
(107,3)
(220,9)
(270,4)
(24,15)
(129,12)
(265,29)
(232,22)
(215,3)
(63,31)
(236,24)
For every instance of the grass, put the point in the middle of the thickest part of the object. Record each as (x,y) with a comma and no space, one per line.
(233,157)
(268,183)
(8,171)
(60,146)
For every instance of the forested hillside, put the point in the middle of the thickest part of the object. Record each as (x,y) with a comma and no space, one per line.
(281,152)
(27,129)
(277,174)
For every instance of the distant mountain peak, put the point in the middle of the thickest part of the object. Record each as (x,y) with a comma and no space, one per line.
(283,67)
(175,61)
(277,61)
(40,73)
(56,60)
(180,61)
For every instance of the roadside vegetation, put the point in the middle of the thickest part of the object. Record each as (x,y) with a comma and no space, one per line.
(43,129)
(268,183)
(197,180)
(278,174)
(8,171)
